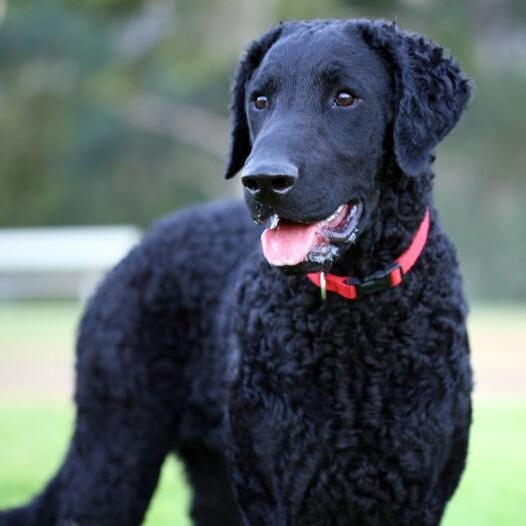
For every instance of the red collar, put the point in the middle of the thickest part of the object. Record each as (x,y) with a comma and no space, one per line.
(353,288)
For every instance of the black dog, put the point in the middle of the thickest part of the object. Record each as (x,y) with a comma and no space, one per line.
(289,410)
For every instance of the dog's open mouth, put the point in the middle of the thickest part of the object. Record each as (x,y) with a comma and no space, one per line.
(287,244)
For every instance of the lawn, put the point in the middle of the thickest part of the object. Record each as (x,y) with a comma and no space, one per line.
(35,422)
(33,439)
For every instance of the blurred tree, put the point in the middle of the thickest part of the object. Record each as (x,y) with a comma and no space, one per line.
(107,6)
(72,78)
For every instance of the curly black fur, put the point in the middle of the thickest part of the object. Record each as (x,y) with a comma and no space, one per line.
(288,411)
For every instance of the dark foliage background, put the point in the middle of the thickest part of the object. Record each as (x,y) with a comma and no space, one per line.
(114,111)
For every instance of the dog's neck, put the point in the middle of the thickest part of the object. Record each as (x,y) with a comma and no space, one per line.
(392,225)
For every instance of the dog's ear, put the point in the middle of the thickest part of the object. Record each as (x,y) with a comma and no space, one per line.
(240,138)
(431,93)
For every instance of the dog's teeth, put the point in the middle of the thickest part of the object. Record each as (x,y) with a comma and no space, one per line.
(334,215)
(274,221)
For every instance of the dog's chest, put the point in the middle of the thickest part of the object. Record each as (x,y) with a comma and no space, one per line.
(304,359)
(330,399)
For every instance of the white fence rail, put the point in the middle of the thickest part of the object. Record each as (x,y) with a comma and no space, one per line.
(62,262)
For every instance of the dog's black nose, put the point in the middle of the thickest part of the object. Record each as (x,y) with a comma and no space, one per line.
(268,180)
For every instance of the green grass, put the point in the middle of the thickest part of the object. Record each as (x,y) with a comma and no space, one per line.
(28,320)
(34,430)
(33,439)
(38,330)
(492,491)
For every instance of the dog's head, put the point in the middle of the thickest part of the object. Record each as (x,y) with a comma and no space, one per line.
(319,110)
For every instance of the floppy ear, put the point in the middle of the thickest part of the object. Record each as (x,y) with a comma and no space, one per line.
(240,138)
(431,93)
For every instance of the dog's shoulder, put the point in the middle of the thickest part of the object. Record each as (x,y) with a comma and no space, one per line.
(213,234)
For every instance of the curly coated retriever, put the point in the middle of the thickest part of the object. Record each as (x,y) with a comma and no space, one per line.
(319,377)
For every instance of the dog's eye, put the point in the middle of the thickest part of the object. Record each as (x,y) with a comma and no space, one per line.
(261,102)
(344,99)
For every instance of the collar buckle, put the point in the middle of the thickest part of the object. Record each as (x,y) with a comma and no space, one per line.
(376,282)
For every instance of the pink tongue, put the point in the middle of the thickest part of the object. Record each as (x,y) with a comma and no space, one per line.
(288,244)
